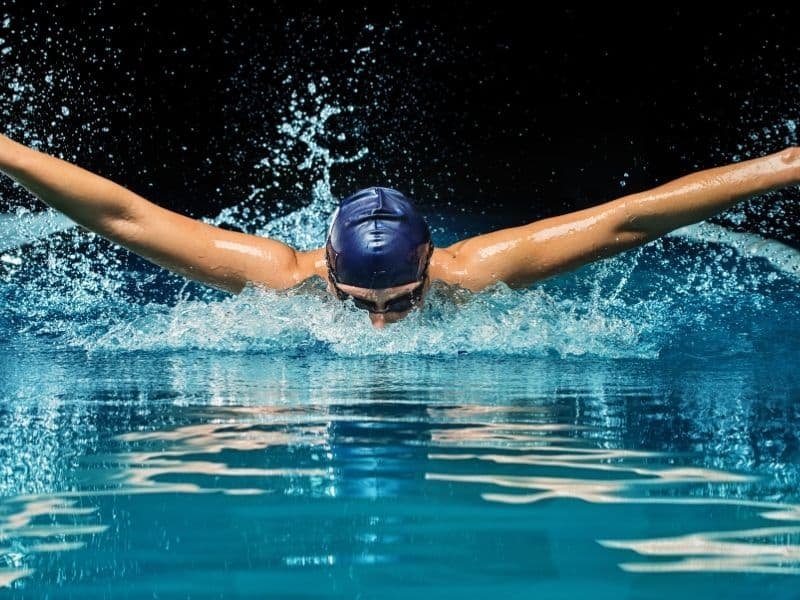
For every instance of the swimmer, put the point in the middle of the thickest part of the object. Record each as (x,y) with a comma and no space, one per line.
(379,253)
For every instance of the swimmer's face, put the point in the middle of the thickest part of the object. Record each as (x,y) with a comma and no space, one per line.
(387,305)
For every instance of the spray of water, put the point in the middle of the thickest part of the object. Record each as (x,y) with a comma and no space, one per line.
(705,289)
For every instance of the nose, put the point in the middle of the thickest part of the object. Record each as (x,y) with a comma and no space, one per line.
(378,320)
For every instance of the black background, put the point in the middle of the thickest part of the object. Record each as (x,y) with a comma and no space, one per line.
(524,112)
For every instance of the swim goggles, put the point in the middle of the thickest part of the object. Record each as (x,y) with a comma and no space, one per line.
(397,304)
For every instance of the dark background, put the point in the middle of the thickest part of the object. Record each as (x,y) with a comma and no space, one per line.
(465,106)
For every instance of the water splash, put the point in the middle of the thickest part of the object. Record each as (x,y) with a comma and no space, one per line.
(24,227)
(704,290)
(300,146)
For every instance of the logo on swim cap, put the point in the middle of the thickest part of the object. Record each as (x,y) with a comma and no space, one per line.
(378,240)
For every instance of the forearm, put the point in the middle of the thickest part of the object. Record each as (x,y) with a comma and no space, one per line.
(88,199)
(703,194)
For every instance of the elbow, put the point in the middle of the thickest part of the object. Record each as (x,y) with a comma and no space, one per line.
(120,229)
(637,225)
(791,158)
(635,237)
(635,231)
(790,155)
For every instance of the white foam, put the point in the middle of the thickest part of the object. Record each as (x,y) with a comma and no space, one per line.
(782,257)
(18,230)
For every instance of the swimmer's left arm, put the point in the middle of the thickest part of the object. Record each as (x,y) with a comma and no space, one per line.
(522,255)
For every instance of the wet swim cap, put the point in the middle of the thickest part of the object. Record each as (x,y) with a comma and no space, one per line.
(378,240)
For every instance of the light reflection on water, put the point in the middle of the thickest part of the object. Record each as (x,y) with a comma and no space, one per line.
(350,474)
(22,529)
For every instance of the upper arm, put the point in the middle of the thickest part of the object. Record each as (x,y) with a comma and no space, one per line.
(522,255)
(197,250)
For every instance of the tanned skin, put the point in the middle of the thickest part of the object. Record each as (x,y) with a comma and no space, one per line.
(518,256)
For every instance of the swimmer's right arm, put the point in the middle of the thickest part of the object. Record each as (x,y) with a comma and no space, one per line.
(221,258)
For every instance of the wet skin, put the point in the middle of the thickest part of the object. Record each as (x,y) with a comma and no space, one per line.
(518,256)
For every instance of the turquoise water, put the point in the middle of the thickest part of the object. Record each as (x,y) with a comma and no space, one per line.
(227,475)
(629,430)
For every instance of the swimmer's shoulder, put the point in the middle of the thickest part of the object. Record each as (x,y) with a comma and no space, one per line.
(444,265)
(463,267)
(289,274)
(311,263)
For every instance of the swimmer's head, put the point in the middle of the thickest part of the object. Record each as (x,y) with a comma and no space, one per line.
(377,240)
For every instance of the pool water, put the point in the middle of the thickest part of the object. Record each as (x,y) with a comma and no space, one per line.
(224,475)
(627,430)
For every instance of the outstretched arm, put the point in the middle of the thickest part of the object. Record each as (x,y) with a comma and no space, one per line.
(215,256)
(521,255)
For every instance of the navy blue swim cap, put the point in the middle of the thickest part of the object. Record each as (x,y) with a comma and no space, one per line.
(378,240)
